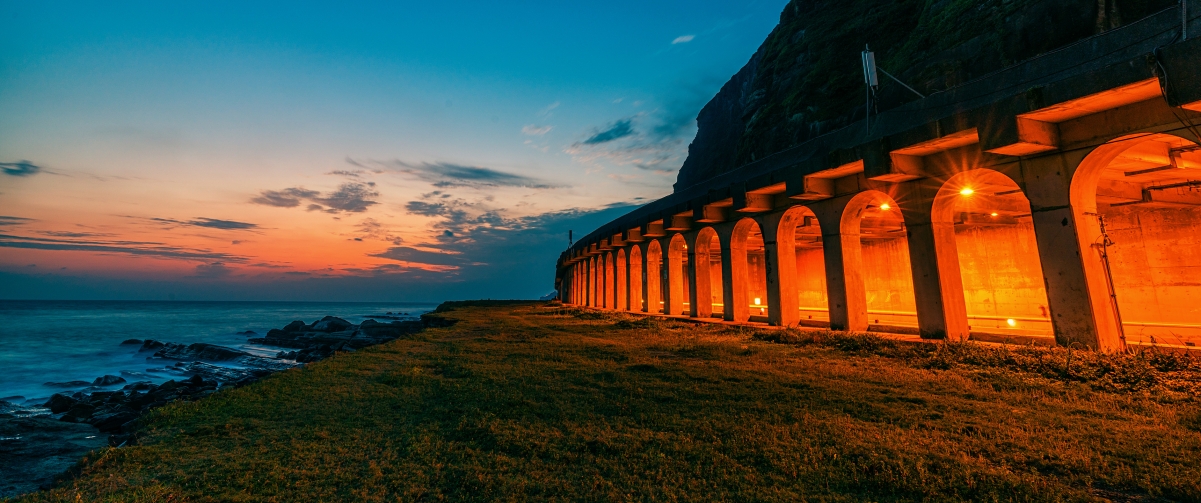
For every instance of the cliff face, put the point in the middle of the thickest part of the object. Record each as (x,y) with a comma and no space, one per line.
(806,78)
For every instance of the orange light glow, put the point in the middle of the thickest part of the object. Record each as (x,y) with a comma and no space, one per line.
(885,207)
(967,191)
(1012,322)
(757,301)
(994,213)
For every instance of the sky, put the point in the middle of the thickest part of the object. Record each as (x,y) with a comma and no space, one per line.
(399,151)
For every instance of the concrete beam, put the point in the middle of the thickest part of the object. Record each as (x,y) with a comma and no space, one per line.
(680,223)
(632,235)
(710,213)
(654,229)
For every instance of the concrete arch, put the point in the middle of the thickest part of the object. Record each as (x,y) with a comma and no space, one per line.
(622,280)
(801,274)
(654,277)
(748,272)
(1137,269)
(637,280)
(677,260)
(990,271)
(706,266)
(877,276)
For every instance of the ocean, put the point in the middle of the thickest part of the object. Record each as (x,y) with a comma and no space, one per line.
(63,341)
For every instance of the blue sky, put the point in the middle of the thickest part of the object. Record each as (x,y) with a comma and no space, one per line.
(415,151)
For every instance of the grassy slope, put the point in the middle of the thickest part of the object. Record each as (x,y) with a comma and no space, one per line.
(513,403)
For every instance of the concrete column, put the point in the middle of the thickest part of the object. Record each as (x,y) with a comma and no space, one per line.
(844,266)
(700,286)
(675,294)
(607,281)
(623,281)
(779,254)
(637,281)
(654,276)
(1082,313)
(733,278)
(934,263)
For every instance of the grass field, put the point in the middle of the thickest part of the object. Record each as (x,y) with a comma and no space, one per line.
(537,402)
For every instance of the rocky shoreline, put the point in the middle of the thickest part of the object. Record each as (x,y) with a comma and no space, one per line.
(37,444)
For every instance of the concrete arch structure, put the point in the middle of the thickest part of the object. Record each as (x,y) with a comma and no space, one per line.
(705,292)
(1054,147)
(1136,207)
(987,256)
(747,277)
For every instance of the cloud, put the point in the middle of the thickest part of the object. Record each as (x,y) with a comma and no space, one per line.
(546,112)
(617,130)
(369,228)
(426,209)
(533,130)
(19,168)
(414,255)
(7,220)
(287,198)
(135,248)
(350,197)
(212,270)
(445,174)
(683,39)
(211,223)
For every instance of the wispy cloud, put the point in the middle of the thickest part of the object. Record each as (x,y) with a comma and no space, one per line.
(546,112)
(533,130)
(19,168)
(211,223)
(213,270)
(445,174)
(135,248)
(617,130)
(351,197)
(7,220)
(683,39)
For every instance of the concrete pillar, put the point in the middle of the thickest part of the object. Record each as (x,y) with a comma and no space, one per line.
(675,294)
(607,281)
(700,286)
(623,281)
(733,277)
(844,266)
(1082,313)
(779,253)
(637,280)
(934,263)
(653,258)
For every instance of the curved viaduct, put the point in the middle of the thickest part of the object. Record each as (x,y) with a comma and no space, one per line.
(1058,199)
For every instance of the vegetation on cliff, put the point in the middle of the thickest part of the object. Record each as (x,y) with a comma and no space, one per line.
(806,79)
(532,401)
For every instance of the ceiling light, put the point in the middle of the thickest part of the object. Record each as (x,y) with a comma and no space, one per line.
(967,191)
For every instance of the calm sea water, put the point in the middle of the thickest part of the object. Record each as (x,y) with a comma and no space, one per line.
(61,341)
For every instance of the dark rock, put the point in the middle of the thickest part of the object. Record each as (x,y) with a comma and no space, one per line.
(248,332)
(436,320)
(130,342)
(199,351)
(108,380)
(112,422)
(332,324)
(37,449)
(59,403)
(79,412)
(151,345)
(295,326)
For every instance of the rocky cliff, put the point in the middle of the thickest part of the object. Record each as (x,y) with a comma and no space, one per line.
(806,78)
